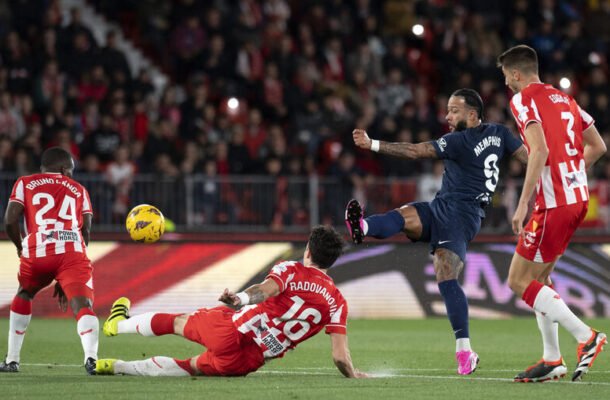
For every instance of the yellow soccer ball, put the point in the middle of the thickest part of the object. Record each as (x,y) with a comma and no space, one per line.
(145,223)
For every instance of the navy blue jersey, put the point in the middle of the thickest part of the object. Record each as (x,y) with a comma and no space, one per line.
(471,160)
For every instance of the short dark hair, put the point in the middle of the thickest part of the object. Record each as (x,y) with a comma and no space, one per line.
(472,99)
(54,158)
(520,57)
(325,246)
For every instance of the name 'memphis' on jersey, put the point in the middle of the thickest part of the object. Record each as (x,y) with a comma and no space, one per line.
(471,159)
(564,177)
(308,301)
(53,213)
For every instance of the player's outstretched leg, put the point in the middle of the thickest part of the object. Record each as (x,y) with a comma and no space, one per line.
(147,324)
(118,312)
(587,353)
(543,371)
(155,366)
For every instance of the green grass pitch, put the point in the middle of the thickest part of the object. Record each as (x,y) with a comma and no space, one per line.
(416,358)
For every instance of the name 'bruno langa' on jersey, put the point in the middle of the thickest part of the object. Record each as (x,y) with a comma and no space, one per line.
(471,158)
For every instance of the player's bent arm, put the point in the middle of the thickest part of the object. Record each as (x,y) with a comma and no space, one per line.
(86,229)
(521,154)
(407,150)
(253,295)
(13,214)
(411,151)
(537,157)
(262,291)
(342,357)
(594,146)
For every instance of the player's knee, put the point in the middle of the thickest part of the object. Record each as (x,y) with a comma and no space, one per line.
(516,284)
(81,305)
(412,223)
(179,324)
(444,272)
(24,294)
(447,265)
(194,369)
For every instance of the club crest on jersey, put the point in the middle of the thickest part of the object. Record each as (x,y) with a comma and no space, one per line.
(442,143)
(530,237)
(523,110)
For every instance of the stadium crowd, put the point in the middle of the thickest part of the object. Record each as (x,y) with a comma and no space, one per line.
(275,87)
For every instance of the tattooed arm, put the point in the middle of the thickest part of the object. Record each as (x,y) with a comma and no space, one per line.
(410,151)
(253,295)
(521,154)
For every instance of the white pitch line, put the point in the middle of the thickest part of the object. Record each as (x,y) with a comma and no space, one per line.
(385,375)
(304,371)
(323,369)
(425,370)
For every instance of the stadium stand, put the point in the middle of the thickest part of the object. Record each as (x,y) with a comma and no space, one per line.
(273,88)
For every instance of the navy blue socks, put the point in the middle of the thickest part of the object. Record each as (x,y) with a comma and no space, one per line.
(457,307)
(383,226)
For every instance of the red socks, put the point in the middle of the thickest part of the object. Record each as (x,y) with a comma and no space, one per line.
(163,324)
(21,306)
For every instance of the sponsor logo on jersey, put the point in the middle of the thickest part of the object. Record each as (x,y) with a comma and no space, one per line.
(558,98)
(442,143)
(63,236)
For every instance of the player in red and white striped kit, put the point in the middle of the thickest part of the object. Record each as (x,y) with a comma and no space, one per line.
(562,143)
(295,302)
(57,215)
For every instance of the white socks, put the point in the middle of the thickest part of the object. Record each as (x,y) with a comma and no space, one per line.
(18,324)
(550,337)
(138,324)
(462,344)
(156,366)
(88,331)
(550,305)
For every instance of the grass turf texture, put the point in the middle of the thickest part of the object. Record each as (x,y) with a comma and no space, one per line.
(416,356)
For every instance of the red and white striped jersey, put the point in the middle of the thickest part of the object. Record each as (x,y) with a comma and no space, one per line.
(564,178)
(308,301)
(53,211)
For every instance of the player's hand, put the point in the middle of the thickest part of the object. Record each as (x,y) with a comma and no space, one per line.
(361,139)
(62,300)
(229,298)
(519,218)
(360,374)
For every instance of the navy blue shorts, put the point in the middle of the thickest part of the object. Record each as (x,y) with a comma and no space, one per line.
(448,225)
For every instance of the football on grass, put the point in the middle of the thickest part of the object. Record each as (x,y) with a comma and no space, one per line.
(145,223)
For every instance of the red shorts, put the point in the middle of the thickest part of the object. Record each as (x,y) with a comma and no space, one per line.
(229,353)
(548,232)
(72,270)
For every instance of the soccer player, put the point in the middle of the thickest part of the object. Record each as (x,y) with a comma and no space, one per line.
(471,153)
(293,303)
(58,215)
(562,143)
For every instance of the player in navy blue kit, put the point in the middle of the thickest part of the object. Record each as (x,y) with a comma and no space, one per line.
(471,153)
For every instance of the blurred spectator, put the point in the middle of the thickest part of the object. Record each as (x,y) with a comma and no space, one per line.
(112,58)
(394,93)
(187,42)
(11,123)
(103,141)
(50,83)
(429,184)
(120,173)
